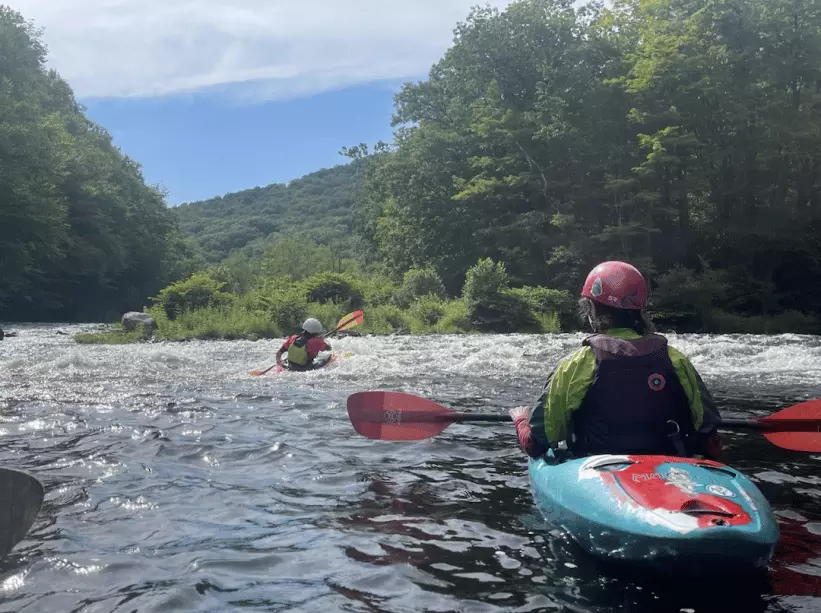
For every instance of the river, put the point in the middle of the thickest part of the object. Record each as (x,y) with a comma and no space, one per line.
(175,481)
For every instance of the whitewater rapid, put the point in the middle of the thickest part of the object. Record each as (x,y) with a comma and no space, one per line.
(175,481)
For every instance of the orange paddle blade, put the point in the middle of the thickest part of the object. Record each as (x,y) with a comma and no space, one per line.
(258,372)
(351,320)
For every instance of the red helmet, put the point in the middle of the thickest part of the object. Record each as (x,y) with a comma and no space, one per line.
(616,284)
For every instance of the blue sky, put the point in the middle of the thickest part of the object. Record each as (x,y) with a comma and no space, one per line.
(200,146)
(213,96)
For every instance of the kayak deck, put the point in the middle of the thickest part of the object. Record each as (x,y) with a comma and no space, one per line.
(319,362)
(682,513)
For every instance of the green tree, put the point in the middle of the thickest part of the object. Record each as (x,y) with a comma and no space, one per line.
(675,134)
(81,234)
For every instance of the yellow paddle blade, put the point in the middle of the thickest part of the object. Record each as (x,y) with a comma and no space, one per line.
(351,320)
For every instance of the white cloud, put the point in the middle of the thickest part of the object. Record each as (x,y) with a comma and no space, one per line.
(274,48)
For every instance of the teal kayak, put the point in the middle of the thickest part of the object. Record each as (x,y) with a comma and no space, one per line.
(669,513)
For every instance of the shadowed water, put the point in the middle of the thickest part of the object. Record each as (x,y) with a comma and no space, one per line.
(175,481)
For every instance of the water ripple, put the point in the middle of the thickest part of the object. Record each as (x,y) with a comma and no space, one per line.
(177,482)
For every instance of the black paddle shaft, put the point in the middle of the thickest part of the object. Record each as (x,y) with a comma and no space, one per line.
(792,425)
(782,425)
(481,417)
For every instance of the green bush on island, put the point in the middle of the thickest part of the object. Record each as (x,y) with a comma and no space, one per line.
(198,291)
(112,337)
(264,306)
(199,308)
(418,283)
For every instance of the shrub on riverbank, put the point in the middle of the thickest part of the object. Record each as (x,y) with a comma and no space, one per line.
(789,322)
(199,308)
(492,306)
(199,291)
(211,323)
(111,337)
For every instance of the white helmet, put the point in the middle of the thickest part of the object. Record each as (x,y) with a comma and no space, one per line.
(312,326)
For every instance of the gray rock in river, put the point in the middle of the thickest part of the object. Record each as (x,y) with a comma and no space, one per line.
(344,333)
(132,319)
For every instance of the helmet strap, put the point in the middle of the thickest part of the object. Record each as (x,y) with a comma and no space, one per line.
(594,325)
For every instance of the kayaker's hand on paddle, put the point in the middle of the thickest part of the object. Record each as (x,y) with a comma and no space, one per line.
(521,418)
(713,446)
(519,413)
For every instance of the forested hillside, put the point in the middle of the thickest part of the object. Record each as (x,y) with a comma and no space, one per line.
(681,135)
(316,206)
(81,234)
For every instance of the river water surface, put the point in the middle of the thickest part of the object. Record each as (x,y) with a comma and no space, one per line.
(175,481)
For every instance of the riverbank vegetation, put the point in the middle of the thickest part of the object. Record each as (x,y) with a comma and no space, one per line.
(81,235)
(316,206)
(683,136)
(241,300)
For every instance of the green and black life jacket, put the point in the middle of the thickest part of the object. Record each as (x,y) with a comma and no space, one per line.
(298,352)
(636,401)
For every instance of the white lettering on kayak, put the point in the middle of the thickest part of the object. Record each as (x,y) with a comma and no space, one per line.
(674,520)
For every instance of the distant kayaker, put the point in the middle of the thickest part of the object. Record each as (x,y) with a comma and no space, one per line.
(303,348)
(626,391)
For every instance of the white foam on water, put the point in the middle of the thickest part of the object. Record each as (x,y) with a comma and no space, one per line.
(39,358)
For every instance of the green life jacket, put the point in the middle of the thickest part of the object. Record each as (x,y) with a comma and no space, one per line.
(297,352)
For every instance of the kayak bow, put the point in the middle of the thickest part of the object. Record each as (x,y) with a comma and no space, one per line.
(670,514)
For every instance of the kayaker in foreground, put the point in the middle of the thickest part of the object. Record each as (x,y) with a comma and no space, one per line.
(303,348)
(626,391)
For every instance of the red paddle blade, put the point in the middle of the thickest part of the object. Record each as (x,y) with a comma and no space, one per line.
(805,412)
(796,441)
(394,416)
(797,427)
(351,320)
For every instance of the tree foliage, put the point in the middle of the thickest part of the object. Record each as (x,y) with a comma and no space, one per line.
(316,207)
(681,135)
(199,291)
(419,282)
(81,234)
